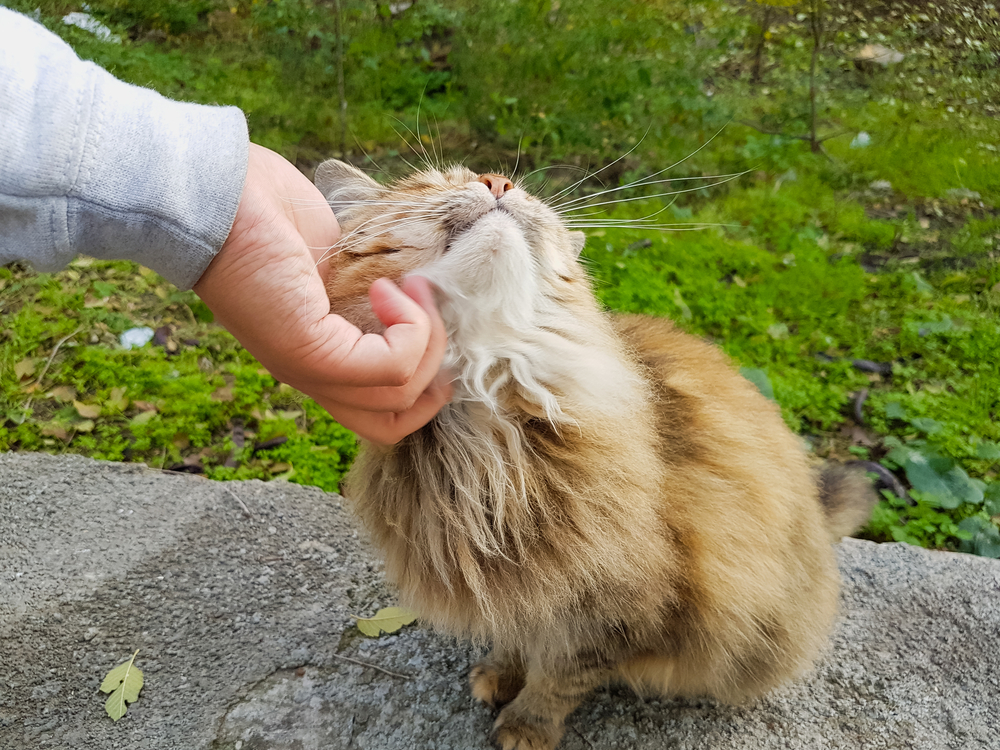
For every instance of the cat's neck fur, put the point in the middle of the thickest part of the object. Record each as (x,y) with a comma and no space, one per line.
(544,400)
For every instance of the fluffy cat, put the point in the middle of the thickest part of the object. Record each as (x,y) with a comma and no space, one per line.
(605,498)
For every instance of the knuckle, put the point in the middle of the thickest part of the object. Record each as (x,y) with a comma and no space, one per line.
(400,374)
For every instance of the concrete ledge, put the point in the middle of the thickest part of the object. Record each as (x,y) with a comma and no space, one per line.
(239,597)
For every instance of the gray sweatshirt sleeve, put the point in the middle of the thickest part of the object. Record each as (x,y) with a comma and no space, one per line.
(92,165)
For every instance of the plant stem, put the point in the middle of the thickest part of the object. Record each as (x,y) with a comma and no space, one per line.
(815,21)
(758,58)
(339,18)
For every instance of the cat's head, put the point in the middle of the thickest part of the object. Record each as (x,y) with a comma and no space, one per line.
(484,242)
(516,303)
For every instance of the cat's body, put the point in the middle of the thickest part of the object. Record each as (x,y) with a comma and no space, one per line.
(605,497)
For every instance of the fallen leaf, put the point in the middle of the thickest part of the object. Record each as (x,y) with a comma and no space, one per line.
(388,620)
(63,393)
(87,411)
(24,368)
(124,683)
(759,378)
(223,394)
(143,417)
(87,425)
(116,399)
(144,406)
(54,430)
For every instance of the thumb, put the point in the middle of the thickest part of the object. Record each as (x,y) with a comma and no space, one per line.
(407,323)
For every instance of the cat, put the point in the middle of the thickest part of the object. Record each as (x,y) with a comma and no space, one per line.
(605,497)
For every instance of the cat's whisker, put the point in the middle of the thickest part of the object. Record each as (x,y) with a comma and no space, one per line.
(661,195)
(517,161)
(658,228)
(570,217)
(523,180)
(645,182)
(407,143)
(648,177)
(348,241)
(594,174)
(385,225)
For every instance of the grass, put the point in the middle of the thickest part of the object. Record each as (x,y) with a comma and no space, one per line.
(885,252)
(191,402)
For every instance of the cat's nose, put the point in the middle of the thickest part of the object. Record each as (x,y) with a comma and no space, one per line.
(497,183)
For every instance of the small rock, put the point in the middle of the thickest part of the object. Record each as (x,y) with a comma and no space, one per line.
(312,544)
(135,338)
(861,140)
(958,194)
(87,22)
(871,55)
(881,186)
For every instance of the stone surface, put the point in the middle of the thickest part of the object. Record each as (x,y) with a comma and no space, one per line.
(245,630)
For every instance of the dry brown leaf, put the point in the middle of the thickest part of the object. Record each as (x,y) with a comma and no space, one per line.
(24,368)
(144,406)
(87,411)
(54,430)
(223,394)
(389,620)
(63,393)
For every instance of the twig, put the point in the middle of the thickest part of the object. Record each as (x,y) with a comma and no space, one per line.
(372,666)
(859,402)
(886,478)
(38,382)
(182,473)
(806,138)
(580,735)
(246,510)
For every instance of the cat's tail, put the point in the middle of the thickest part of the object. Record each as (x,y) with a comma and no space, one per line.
(847,497)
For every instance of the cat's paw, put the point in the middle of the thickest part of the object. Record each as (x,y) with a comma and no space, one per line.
(484,681)
(515,731)
(493,687)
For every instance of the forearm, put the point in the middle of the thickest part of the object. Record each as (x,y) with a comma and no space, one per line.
(91,165)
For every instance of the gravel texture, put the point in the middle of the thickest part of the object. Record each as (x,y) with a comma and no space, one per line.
(240,599)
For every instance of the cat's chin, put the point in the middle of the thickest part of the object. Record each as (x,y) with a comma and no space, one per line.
(489,233)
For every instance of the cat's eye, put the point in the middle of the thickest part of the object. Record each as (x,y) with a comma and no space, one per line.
(386,250)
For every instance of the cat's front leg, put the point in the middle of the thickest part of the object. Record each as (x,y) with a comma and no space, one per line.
(497,679)
(534,720)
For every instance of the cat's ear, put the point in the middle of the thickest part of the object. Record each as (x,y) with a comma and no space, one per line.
(576,241)
(345,186)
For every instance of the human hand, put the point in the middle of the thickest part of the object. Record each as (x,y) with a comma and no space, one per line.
(266,288)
